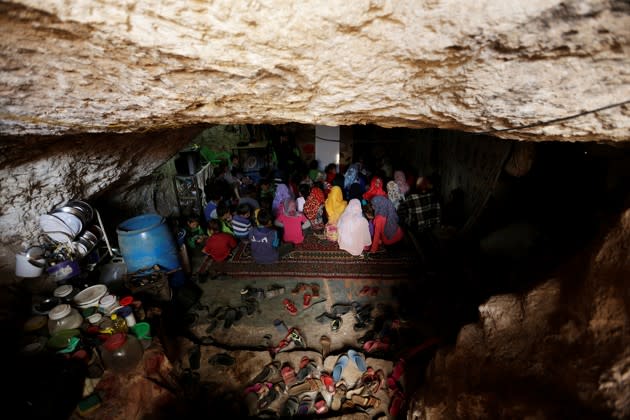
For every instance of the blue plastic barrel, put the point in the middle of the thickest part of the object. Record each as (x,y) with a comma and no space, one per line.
(145,241)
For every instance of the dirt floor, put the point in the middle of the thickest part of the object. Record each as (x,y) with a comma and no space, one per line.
(235,355)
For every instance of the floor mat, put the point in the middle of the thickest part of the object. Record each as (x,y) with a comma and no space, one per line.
(316,258)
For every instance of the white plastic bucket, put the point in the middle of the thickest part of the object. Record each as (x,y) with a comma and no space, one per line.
(24,268)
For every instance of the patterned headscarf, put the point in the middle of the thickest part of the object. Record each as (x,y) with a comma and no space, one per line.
(282,193)
(376,189)
(350,177)
(335,204)
(383,207)
(313,202)
(393,193)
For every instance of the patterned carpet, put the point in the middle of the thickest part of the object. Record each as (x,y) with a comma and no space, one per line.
(317,257)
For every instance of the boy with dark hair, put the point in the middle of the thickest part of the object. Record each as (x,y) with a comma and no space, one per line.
(241,224)
(224,216)
(265,243)
(217,248)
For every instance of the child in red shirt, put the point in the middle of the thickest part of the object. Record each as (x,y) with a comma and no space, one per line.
(217,248)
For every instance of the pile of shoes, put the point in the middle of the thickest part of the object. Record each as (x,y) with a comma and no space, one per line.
(308,390)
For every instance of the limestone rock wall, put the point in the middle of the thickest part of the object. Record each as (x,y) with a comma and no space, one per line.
(111,66)
(40,173)
(559,351)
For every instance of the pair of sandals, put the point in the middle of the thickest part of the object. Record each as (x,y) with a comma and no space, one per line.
(343,360)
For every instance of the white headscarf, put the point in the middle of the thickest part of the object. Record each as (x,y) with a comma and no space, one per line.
(353,229)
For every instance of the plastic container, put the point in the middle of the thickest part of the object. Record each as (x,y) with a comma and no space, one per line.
(113,273)
(121,353)
(127,314)
(146,241)
(63,317)
(142,331)
(25,268)
(66,293)
(119,325)
(107,303)
(64,270)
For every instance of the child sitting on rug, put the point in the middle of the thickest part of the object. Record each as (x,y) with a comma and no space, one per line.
(241,223)
(218,247)
(292,222)
(265,244)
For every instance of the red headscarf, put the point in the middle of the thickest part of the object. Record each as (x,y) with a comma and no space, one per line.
(376,189)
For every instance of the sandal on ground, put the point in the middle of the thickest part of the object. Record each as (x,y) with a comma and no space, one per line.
(338,396)
(315,290)
(328,382)
(299,288)
(222,359)
(365,290)
(335,324)
(269,372)
(366,402)
(309,385)
(325,342)
(320,405)
(341,308)
(340,365)
(370,335)
(325,317)
(306,301)
(305,406)
(290,306)
(288,374)
(358,360)
(274,290)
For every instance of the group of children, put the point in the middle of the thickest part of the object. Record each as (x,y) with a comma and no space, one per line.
(273,214)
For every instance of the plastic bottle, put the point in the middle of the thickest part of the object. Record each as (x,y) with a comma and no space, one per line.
(119,325)
(121,352)
(63,317)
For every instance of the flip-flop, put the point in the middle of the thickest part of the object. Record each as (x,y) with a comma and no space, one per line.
(290,306)
(325,317)
(305,406)
(299,288)
(306,301)
(288,374)
(358,360)
(335,324)
(341,308)
(328,382)
(315,289)
(365,290)
(222,359)
(325,342)
(320,405)
(342,362)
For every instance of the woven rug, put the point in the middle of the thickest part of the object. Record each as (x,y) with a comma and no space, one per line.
(318,257)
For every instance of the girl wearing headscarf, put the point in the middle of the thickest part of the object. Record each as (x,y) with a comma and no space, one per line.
(353,229)
(314,208)
(401,181)
(335,205)
(292,222)
(393,193)
(282,193)
(386,229)
(376,189)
